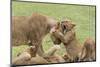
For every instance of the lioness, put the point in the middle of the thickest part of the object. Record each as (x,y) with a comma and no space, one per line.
(31,30)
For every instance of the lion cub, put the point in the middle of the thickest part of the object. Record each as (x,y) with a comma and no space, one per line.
(64,32)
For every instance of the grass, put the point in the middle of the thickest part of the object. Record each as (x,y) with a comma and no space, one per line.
(83,16)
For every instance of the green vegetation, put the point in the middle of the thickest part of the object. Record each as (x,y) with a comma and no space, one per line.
(83,16)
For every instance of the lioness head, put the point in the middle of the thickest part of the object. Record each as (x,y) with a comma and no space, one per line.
(54,33)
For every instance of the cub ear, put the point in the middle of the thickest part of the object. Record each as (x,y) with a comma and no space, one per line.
(58,25)
(73,24)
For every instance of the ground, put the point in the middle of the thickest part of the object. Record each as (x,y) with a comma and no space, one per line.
(83,16)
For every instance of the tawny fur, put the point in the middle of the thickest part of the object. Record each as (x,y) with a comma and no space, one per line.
(38,60)
(88,51)
(26,57)
(51,55)
(65,33)
(31,30)
(22,59)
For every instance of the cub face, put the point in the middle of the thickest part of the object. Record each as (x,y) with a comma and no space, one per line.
(67,25)
(57,33)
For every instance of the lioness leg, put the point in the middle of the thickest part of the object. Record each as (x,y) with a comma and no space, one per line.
(40,50)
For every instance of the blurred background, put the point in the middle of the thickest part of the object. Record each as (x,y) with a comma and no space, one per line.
(83,16)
